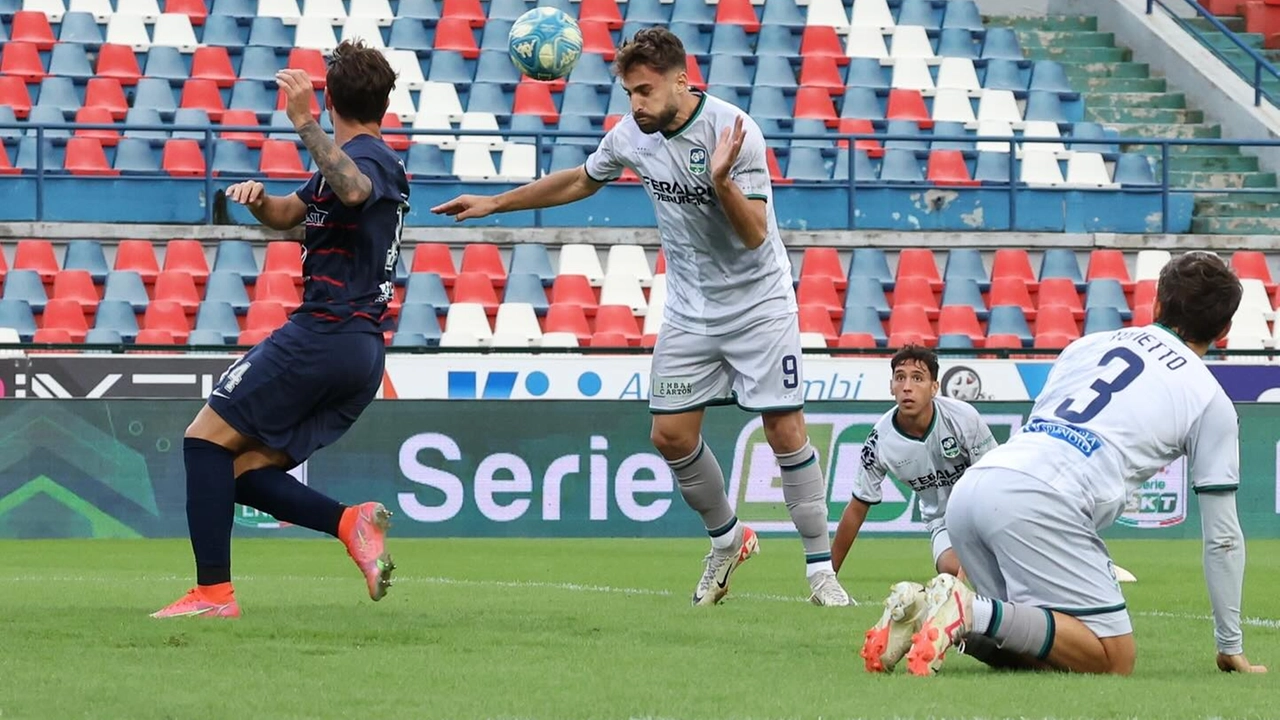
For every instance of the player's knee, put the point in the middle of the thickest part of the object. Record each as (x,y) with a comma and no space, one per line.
(949,562)
(1122,655)
(673,442)
(785,431)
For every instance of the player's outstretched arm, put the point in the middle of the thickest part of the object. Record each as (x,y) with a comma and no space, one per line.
(559,188)
(351,186)
(855,513)
(276,212)
(1224,556)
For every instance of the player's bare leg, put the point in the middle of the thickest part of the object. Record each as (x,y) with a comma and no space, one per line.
(678,437)
(804,488)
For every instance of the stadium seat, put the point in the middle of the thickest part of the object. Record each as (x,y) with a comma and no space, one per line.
(85,157)
(242,118)
(475,288)
(573,289)
(1011,291)
(1134,170)
(581,259)
(1008,320)
(966,264)
(1061,263)
(958,43)
(148,10)
(815,319)
(236,256)
(1144,295)
(866,292)
(197,11)
(1107,293)
(1057,320)
(16,314)
(36,255)
(908,105)
(265,316)
(910,320)
(807,165)
(364,29)
(1109,264)
(420,319)
(1042,129)
(434,258)
(1102,319)
(1013,263)
(618,319)
(179,287)
(953,106)
(277,287)
(69,59)
(54,336)
(516,327)
(824,263)
(1255,299)
(1001,44)
(964,291)
(484,258)
(999,105)
(286,10)
(570,319)
(912,74)
(27,286)
(467,319)
(961,320)
(1248,264)
(915,291)
(213,63)
(65,315)
(1059,292)
(125,29)
(119,63)
(85,255)
(126,286)
(283,256)
(526,289)
(426,288)
(1149,264)
(919,262)
(32,26)
(227,288)
(279,159)
(96,116)
(22,60)
(864,320)
(624,288)
(820,292)
(1040,168)
(871,263)
(532,258)
(138,256)
(900,166)
(958,74)
(948,168)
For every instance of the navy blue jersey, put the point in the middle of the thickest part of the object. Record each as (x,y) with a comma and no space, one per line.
(349,254)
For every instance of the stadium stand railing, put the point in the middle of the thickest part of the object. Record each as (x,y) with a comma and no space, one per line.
(1255,74)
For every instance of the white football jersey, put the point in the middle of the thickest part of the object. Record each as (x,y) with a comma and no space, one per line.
(715,285)
(931,465)
(1116,408)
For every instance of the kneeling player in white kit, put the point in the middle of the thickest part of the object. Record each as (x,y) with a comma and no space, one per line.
(927,442)
(1116,408)
(731,331)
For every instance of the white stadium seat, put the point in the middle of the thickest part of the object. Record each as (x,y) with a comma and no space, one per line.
(1043,129)
(461,339)
(518,320)
(100,9)
(557,339)
(480,121)
(315,33)
(872,14)
(994,128)
(54,9)
(128,30)
(828,13)
(408,69)
(286,10)
(623,289)
(433,121)
(999,105)
(910,41)
(1255,298)
(912,74)
(401,103)
(376,10)
(469,318)
(1149,263)
(952,106)
(148,9)
(958,74)
(630,260)
(581,259)
(657,305)
(440,97)
(1088,169)
(473,162)
(365,29)
(1248,326)
(866,43)
(174,30)
(331,11)
(519,162)
(1040,168)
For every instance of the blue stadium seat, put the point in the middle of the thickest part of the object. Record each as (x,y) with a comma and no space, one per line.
(964,291)
(168,64)
(567,156)
(253,95)
(450,67)
(224,31)
(507,9)
(235,256)
(953,129)
(697,12)
(126,285)
(427,289)
(731,40)
(59,92)
(992,168)
(1001,44)
(862,319)
(956,42)
(239,9)
(119,316)
(963,14)
(135,156)
(566,6)
(408,340)
(145,116)
(1009,320)
(270,32)
(782,14)
(650,12)
(864,171)
(730,71)
(205,337)
(70,60)
(490,98)
(419,318)
(530,124)
(7,116)
(773,132)
(871,263)
(1049,76)
(17,314)
(526,288)
(426,161)
(952,341)
(103,336)
(806,165)
(775,71)
(47,115)
(26,285)
(531,259)
(79,27)
(866,291)
(696,41)
(233,158)
(402,271)
(29,154)
(582,100)
(418,10)
(619,103)
(1102,319)
(219,317)
(903,128)
(732,95)
(1046,106)
(155,93)
(778,39)
(588,132)
(1005,74)
(191,117)
(1061,263)
(966,264)
(495,66)
(811,127)
(920,12)
(1107,293)
(1092,131)
(590,70)
(769,102)
(862,102)
(86,255)
(867,73)
(226,287)
(411,34)
(496,36)
(1134,170)
(260,63)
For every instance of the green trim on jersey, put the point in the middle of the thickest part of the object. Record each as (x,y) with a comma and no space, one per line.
(1170,331)
(1214,488)
(933,421)
(758,197)
(587,172)
(1082,612)
(702,101)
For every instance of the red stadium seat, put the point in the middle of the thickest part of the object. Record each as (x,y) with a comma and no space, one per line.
(213,63)
(1052,341)
(605,11)
(1143,315)
(961,320)
(243,118)
(822,41)
(195,10)
(1060,292)
(280,160)
(737,12)
(454,33)
(911,319)
(815,291)
(1144,294)
(203,95)
(695,72)
(22,60)
(919,262)
(915,291)
(66,315)
(265,316)
(947,168)
(435,258)
(6,166)
(1012,291)
(618,319)
(597,39)
(36,255)
(1003,341)
(179,287)
(1057,320)
(167,315)
(568,318)
(55,336)
(820,71)
(279,288)
(187,256)
(1251,264)
(574,290)
(13,92)
(312,61)
(825,263)
(858,126)
(140,257)
(97,116)
(183,158)
(85,157)
(815,319)
(903,339)
(107,93)
(284,256)
(281,102)
(76,286)
(4,265)
(119,63)
(775,170)
(475,287)
(391,121)
(31,26)
(485,259)
(534,98)
(1014,263)
(814,103)
(908,105)
(660,265)
(608,340)
(469,11)
(251,337)
(159,336)
(856,340)
(1109,264)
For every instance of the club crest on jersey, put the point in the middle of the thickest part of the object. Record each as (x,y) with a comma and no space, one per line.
(950,448)
(697,161)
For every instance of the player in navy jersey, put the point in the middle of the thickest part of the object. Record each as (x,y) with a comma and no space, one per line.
(303,387)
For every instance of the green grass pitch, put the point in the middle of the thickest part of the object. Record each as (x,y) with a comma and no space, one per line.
(562,630)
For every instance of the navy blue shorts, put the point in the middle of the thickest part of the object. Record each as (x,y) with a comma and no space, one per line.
(300,390)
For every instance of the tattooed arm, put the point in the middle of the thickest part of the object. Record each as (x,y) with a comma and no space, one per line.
(350,185)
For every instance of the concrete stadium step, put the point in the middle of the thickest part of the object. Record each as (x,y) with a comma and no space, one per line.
(1120,84)
(1138,114)
(1224,180)
(1238,209)
(1237,199)
(1201,151)
(1088,69)
(1076,39)
(1103,99)
(1050,22)
(1154,130)
(1236,163)
(1095,54)
(1234,24)
(1213,225)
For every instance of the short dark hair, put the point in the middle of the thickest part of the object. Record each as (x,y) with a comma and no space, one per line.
(359,81)
(656,47)
(1198,296)
(916,354)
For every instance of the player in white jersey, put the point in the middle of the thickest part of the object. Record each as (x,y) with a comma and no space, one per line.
(730,331)
(1116,408)
(927,442)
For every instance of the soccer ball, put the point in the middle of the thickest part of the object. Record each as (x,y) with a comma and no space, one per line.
(545,43)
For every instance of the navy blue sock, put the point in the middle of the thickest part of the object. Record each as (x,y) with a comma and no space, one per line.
(211,498)
(275,491)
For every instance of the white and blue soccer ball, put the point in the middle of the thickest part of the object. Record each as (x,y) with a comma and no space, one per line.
(545,43)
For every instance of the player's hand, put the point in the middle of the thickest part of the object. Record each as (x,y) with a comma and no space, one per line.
(298,94)
(1238,663)
(250,193)
(467,207)
(727,149)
